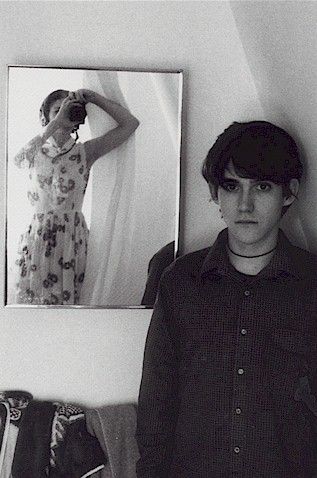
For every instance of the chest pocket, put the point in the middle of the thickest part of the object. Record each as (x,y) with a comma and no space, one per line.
(292,354)
(294,342)
(293,391)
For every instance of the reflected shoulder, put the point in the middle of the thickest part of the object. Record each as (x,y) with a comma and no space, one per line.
(187,264)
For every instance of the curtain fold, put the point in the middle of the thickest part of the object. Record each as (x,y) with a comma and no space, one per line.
(134,187)
(112,212)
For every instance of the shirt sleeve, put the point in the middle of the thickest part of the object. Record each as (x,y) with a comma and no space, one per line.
(158,403)
(25,157)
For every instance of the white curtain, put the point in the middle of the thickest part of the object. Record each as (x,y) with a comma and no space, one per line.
(134,187)
(168,95)
(112,213)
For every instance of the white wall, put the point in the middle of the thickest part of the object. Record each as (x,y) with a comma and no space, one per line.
(95,356)
(279,40)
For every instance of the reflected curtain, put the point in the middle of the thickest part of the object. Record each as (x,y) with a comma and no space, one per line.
(111,227)
(134,187)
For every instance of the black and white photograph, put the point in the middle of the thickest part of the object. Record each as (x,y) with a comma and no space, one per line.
(158,252)
(93,184)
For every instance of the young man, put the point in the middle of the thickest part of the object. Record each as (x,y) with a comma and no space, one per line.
(229,380)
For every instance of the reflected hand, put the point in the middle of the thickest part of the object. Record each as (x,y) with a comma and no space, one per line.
(81,95)
(62,117)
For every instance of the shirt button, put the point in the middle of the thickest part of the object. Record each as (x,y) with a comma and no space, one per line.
(240,371)
(238,411)
(236,449)
(243,331)
(247,293)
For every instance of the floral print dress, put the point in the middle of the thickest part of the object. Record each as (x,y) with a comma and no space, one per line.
(52,252)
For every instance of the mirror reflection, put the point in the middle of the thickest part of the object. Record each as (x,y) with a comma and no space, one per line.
(93,179)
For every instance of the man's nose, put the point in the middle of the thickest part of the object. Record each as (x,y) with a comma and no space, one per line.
(246,201)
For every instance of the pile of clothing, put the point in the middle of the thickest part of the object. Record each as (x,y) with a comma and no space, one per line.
(46,439)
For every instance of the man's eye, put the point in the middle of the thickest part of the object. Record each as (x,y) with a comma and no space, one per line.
(263,187)
(230,186)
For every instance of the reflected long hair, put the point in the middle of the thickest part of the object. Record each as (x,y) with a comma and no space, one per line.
(46,106)
(47,103)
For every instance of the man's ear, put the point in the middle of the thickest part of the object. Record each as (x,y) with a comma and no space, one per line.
(213,192)
(294,187)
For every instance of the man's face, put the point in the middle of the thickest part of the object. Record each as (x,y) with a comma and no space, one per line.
(252,209)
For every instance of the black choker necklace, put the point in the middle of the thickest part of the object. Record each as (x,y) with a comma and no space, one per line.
(251,257)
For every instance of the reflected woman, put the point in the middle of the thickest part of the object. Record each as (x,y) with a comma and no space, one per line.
(52,252)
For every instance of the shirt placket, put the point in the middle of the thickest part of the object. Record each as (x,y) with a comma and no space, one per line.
(241,378)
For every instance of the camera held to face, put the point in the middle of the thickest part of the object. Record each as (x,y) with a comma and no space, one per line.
(77,113)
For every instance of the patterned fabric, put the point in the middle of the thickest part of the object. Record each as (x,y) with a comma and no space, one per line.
(4,425)
(50,440)
(17,400)
(10,446)
(52,252)
(229,380)
(13,402)
(79,455)
(65,414)
(74,453)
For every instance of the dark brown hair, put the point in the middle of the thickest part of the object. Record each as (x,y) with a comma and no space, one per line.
(258,150)
(47,103)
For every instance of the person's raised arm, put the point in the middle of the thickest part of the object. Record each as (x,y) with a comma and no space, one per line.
(27,153)
(127,124)
(158,397)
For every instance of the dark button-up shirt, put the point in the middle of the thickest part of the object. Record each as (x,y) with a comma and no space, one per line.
(229,379)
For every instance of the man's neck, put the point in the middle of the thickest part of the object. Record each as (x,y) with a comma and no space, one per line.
(251,258)
(249,266)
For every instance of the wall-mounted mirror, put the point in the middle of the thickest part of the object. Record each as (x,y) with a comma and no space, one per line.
(92,185)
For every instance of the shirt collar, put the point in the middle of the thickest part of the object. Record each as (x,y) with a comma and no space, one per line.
(283,263)
(51,149)
(216,262)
